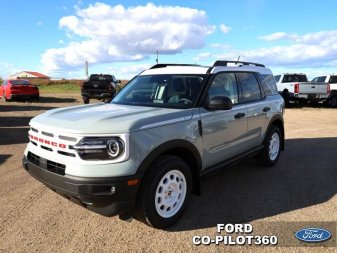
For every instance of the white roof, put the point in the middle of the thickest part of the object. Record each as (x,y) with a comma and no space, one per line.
(181,69)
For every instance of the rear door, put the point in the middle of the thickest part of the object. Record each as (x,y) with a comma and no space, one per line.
(224,132)
(258,108)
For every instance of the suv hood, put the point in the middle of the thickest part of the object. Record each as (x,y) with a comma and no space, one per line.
(103,118)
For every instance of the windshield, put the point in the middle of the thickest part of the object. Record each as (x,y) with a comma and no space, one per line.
(170,91)
(20,82)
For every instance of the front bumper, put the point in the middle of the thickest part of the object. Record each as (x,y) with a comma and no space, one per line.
(106,196)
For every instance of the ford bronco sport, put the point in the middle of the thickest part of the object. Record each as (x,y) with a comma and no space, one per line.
(143,154)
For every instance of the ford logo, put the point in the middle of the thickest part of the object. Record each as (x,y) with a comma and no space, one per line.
(313,235)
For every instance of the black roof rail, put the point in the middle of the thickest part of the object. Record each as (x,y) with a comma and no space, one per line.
(225,63)
(163,65)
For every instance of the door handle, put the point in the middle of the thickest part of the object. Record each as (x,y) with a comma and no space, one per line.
(239,115)
(266,109)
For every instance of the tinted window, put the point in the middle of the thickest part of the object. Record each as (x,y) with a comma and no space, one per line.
(249,86)
(321,79)
(268,84)
(333,79)
(294,78)
(19,82)
(101,78)
(224,84)
(277,78)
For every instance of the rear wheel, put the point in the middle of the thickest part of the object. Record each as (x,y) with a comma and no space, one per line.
(5,97)
(272,147)
(165,192)
(333,101)
(85,100)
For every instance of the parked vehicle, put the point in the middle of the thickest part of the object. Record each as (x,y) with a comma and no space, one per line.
(19,89)
(99,86)
(295,87)
(143,154)
(332,80)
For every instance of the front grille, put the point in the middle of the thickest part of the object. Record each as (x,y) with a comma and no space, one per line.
(45,164)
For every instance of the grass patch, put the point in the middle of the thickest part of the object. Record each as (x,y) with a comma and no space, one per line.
(60,88)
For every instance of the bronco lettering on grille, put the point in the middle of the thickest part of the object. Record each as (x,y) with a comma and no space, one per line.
(51,143)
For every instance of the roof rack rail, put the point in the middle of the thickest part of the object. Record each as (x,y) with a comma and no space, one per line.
(225,63)
(163,65)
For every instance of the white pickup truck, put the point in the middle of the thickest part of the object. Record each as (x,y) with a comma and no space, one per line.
(332,80)
(295,87)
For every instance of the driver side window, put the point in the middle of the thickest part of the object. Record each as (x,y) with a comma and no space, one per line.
(224,84)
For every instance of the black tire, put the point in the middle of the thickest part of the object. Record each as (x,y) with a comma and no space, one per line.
(333,101)
(5,97)
(285,95)
(156,198)
(268,157)
(86,100)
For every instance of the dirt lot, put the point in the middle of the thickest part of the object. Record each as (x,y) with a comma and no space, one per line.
(301,187)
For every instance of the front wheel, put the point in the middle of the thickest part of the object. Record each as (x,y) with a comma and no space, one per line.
(165,192)
(85,100)
(272,147)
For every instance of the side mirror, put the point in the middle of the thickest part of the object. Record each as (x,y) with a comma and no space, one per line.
(219,103)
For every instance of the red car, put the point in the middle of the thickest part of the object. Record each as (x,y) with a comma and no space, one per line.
(19,89)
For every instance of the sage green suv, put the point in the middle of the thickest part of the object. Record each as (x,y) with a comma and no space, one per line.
(143,154)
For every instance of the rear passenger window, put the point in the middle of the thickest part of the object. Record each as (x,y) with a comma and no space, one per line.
(249,86)
(268,84)
(224,84)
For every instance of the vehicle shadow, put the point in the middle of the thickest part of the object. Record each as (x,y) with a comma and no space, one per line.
(13,135)
(14,121)
(24,107)
(44,99)
(3,158)
(305,175)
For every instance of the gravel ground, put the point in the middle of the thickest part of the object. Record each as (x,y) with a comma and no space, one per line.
(300,188)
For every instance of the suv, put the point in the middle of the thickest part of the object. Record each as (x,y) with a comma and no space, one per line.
(143,154)
(332,80)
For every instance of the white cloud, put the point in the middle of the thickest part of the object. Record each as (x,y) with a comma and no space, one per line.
(309,50)
(128,72)
(61,42)
(202,56)
(7,69)
(107,33)
(225,29)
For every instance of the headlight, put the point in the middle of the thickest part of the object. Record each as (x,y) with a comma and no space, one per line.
(100,148)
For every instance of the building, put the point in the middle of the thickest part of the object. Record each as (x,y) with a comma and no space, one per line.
(28,75)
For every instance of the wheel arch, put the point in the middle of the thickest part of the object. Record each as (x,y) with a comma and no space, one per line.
(277,121)
(179,148)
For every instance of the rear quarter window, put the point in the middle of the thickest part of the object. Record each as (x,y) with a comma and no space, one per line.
(268,84)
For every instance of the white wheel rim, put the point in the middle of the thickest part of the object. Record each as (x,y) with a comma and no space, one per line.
(274,146)
(170,193)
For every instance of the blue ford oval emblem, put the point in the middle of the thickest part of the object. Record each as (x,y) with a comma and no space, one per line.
(313,234)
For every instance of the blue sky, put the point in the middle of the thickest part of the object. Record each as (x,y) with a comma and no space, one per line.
(122,37)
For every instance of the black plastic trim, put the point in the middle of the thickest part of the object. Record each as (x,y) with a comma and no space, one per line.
(92,193)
